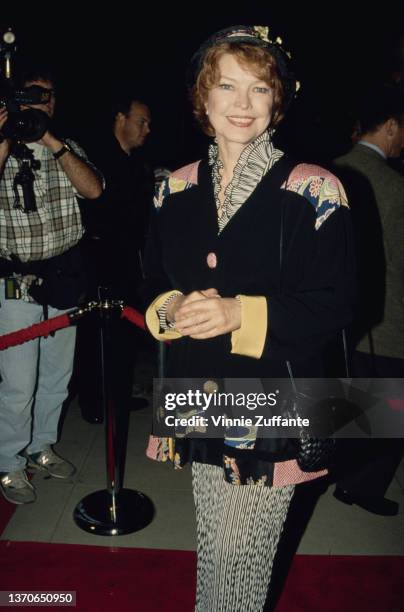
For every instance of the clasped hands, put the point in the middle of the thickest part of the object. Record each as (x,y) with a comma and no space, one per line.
(204,314)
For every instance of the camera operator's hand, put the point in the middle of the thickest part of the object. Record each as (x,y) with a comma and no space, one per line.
(50,142)
(82,177)
(4,142)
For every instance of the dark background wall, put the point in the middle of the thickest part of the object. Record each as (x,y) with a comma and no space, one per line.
(147,46)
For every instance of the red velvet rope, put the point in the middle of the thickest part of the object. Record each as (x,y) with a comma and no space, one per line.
(50,325)
(136,318)
(29,333)
(133,316)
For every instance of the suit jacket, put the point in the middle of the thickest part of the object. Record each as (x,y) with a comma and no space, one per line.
(376,196)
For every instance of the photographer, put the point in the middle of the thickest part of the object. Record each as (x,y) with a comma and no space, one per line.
(40,276)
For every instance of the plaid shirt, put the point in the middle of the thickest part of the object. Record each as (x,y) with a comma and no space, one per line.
(54,227)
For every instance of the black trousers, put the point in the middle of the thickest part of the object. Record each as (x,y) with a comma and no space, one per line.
(370,464)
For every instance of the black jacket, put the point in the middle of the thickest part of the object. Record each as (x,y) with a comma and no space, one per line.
(309,299)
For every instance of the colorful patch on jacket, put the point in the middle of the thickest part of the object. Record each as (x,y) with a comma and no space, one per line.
(181,179)
(321,188)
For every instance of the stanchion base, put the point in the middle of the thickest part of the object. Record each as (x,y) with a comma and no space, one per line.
(95,513)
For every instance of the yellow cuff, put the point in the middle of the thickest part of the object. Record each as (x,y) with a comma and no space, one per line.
(249,340)
(153,321)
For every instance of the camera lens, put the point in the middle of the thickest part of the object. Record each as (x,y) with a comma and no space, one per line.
(26,126)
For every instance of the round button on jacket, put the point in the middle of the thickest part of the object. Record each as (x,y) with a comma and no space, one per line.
(210,386)
(211,260)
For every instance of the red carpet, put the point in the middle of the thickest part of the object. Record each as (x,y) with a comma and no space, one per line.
(343,583)
(147,580)
(105,579)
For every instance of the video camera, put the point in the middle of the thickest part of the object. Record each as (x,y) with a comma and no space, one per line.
(28,125)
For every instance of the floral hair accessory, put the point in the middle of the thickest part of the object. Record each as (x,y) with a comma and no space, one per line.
(263,33)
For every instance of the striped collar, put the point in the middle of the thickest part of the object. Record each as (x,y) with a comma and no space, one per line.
(254,162)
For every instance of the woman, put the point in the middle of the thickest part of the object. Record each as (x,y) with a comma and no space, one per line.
(249,260)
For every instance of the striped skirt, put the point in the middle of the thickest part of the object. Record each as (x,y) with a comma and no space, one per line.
(238,530)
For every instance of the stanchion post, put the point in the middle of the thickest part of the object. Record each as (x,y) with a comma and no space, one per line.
(108,400)
(115,510)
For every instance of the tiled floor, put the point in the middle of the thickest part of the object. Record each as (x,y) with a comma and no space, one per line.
(333,529)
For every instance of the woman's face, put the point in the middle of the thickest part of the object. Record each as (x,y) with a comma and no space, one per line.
(239,107)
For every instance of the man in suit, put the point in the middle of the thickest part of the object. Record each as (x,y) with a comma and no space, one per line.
(376,194)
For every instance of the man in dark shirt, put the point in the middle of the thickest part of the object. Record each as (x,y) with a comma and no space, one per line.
(116,230)
(112,247)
